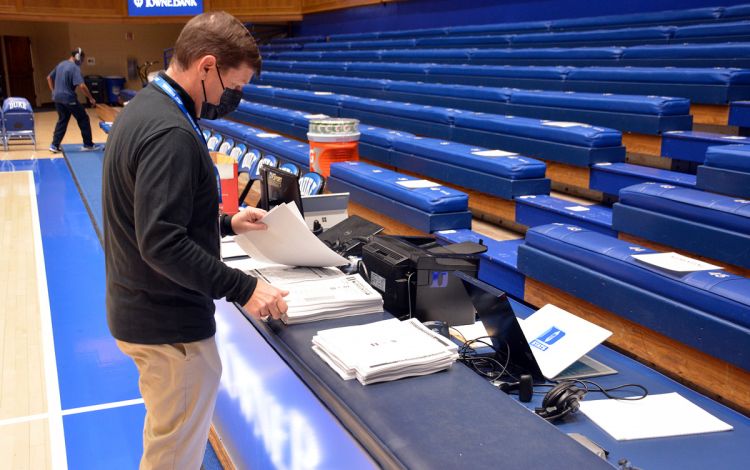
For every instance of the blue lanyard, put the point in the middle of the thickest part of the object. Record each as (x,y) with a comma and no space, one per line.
(167,88)
(161,83)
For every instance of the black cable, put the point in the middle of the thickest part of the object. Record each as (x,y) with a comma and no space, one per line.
(606,391)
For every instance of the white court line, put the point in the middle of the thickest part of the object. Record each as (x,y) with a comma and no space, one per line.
(72,411)
(104,406)
(54,407)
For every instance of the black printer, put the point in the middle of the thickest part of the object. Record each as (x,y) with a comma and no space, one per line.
(414,275)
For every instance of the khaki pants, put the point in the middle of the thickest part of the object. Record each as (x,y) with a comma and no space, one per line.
(178,383)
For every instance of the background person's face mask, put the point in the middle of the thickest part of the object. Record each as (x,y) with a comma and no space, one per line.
(228,102)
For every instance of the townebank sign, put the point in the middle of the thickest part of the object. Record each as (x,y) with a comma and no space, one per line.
(165,7)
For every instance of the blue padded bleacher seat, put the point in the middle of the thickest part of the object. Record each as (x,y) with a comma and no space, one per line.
(365,44)
(299,39)
(657,17)
(605,37)
(497,265)
(736,11)
(443,56)
(206,133)
(495,172)
(376,143)
(633,113)
(354,36)
(708,310)
(547,56)
(700,85)
(498,28)
(369,88)
(413,33)
(691,146)
(735,31)
(543,77)
(708,224)
(739,114)
(464,41)
(426,208)
(535,210)
(726,170)
(417,118)
(386,70)
(583,144)
(688,55)
(610,178)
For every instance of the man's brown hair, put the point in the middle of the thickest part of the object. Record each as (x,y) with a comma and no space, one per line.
(219,34)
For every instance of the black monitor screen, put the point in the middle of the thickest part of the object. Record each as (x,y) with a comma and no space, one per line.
(496,313)
(277,187)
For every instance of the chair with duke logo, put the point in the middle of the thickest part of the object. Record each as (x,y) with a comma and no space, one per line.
(248,165)
(17,121)
(311,183)
(290,167)
(214,141)
(238,152)
(267,160)
(226,146)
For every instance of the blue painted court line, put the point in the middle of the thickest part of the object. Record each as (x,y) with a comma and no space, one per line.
(91,368)
(106,439)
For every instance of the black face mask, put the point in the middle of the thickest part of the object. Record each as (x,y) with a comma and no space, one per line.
(228,102)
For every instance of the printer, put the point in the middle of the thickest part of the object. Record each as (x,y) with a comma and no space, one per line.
(414,276)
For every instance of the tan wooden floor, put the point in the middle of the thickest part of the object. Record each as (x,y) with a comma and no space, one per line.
(23,445)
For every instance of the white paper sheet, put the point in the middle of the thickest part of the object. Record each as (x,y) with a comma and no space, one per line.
(578,208)
(247,265)
(668,414)
(494,153)
(675,262)
(415,184)
(558,338)
(564,124)
(267,135)
(316,116)
(288,241)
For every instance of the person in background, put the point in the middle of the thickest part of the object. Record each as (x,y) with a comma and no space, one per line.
(63,81)
(161,237)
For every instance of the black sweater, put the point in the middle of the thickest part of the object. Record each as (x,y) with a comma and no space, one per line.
(161,226)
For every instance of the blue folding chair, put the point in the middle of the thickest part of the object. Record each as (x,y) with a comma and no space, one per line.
(206,134)
(248,165)
(267,160)
(214,141)
(238,152)
(311,183)
(18,121)
(226,146)
(290,167)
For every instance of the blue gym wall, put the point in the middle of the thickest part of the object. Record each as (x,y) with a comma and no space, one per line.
(410,14)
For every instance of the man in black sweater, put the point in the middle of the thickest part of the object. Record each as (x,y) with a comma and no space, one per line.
(161,237)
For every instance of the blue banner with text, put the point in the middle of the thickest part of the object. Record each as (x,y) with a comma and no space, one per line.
(165,7)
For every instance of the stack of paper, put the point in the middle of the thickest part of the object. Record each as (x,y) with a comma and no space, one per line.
(330,297)
(384,351)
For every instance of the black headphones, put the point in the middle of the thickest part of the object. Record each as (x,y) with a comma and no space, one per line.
(562,400)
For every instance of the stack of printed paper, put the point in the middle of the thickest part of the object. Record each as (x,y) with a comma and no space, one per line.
(330,297)
(384,351)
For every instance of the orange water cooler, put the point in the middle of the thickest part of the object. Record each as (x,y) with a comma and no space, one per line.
(332,140)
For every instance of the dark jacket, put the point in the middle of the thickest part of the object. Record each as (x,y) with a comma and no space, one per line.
(162,226)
